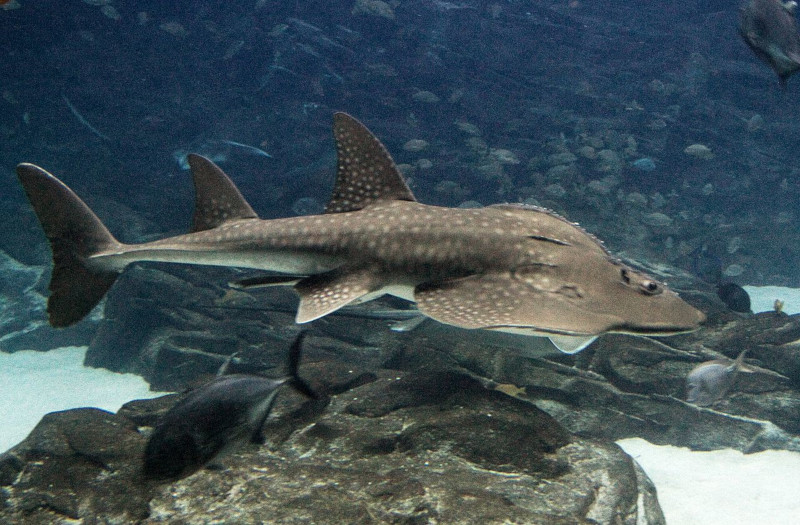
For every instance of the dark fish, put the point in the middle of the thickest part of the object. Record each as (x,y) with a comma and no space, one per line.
(215,418)
(735,297)
(709,382)
(769,29)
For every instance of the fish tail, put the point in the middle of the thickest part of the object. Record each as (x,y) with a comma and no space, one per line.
(294,362)
(75,234)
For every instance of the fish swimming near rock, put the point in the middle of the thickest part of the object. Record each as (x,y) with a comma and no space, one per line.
(769,28)
(507,267)
(711,381)
(215,418)
(734,296)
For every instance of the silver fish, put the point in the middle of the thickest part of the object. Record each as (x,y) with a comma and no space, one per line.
(216,418)
(709,382)
(513,268)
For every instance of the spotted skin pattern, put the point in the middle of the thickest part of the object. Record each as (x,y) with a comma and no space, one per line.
(514,268)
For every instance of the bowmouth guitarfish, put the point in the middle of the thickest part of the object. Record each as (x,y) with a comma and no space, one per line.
(507,267)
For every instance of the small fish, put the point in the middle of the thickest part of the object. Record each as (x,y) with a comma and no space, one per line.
(218,151)
(82,119)
(644,164)
(734,296)
(699,151)
(508,267)
(709,382)
(215,418)
(768,27)
(181,157)
(258,152)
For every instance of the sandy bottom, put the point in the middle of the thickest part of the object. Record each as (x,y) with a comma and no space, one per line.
(35,383)
(762,298)
(721,486)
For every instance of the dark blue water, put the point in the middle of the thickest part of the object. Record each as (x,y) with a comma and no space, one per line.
(638,80)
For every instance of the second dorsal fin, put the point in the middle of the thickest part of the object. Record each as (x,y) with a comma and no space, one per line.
(365,172)
(217,199)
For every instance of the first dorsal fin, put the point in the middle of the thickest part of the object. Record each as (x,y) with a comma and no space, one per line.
(217,199)
(365,172)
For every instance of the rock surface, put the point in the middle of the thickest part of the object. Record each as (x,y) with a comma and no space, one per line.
(76,464)
(433,446)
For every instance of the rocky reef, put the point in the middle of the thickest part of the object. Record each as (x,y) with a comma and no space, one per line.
(416,427)
(404,447)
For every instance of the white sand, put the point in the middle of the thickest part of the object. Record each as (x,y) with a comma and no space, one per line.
(726,486)
(35,383)
(722,486)
(762,299)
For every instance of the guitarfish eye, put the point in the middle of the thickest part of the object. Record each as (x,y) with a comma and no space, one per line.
(650,287)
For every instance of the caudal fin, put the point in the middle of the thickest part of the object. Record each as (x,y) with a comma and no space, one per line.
(75,234)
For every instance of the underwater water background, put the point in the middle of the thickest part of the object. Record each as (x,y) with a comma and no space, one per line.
(584,107)
(651,124)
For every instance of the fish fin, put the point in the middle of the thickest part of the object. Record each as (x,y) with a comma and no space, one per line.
(260,413)
(226,364)
(736,365)
(571,344)
(324,293)
(506,302)
(292,378)
(217,199)
(407,325)
(365,170)
(295,351)
(75,234)
(263,281)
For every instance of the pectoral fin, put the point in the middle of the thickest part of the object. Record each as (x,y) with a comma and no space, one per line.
(324,293)
(505,302)
(571,344)
(260,415)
